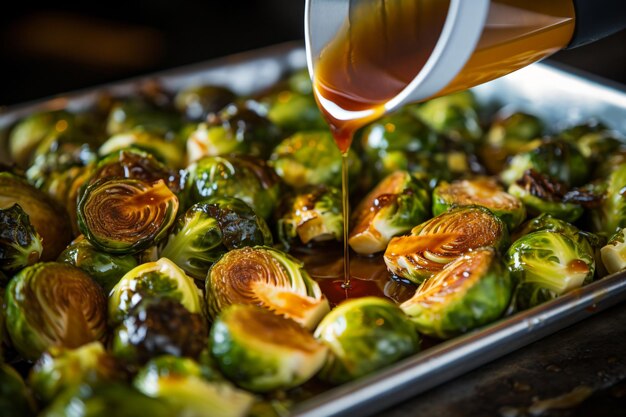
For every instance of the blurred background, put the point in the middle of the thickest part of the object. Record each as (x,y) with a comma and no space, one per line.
(62,46)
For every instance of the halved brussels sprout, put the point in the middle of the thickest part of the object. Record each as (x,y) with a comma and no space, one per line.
(453,116)
(53,304)
(49,220)
(20,245)
(154,279)
(481,191)
(312,158)
(612,211)
(262,351)
(102,267)
(197,102)
(135,114)
(124,215)
(15,398)
(158,326)
(515,132)
(156,145)
(393,207)
(295,112)
(268,278)
(60,369)
(472,291)
(437,242)
(180,383)
(547,264)
(211,228)
(364,335)
(614,253)
(313,214)
(243,177)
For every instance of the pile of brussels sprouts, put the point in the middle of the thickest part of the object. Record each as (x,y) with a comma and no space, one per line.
(150,246)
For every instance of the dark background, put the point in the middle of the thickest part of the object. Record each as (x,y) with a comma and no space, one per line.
(64,46)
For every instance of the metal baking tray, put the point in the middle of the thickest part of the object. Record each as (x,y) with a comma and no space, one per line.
(560,96)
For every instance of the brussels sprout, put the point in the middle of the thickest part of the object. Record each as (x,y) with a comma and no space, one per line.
(312,158)
(124,215)
(437,242)
(157,326)
(15,399)
(179,382)
(211,228)
(268,278)
(547,264)
(197,102)
(472,291)
(596,145)
(515,132)
(614,253)
(138,114)
(58,184)
(102,267)
(483,192)
(393,207)
(20,245)
(154,279)
(555,158)
(60,369)
(364,335)
(49,220)
(53,304)
(313,214)
(612,212)
(547,222)
(156,145)
(239,129)
(246,178)
(295,112)
(261,351)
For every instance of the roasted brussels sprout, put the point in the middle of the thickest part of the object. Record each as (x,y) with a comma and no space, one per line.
(472,291)
(393,207)
(261,351)
(180,383)
(15,399)
(104,268)
(312,158)
(60,369)
(546,264)
(154,279)
(122,216)
(515,132)
(313,214)
(614,253)
(20,245)
(197,102)
(157,326)
(295,112)
(437,242)
(547,222)
(53,304)
(612,212)
(483,192)
(211,228)
(364,335)
(239,176)
(135,114)
(268,278)
(453,116)
(156,145)
(49,220)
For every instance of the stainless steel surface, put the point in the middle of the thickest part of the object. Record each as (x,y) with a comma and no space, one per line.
(557,96)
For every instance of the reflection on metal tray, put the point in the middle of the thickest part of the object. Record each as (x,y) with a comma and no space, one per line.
(560,97)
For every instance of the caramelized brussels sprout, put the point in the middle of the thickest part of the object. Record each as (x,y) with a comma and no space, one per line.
(393,207)
(437,242)
(197,102)
(135,114)
(268,278)
(158,326)
(261,351)
(156,145)
(61,369)
(453,116)
(312,158)
(470,292)
(483,192)
(20,245)
(546,264)
(364,335)
(295,112)
(313,214)
(547,222)
(614,253)
(104,268)
(612,212)
(246,178)
(122,216)
(49,220)
(149,280)
(180,383)
(15,398)
(515,132)
(53,304)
